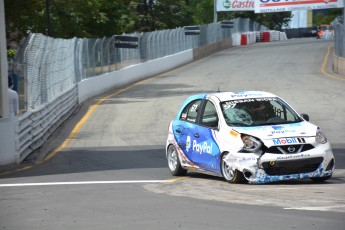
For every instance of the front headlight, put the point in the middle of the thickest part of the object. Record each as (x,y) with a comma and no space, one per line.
(320,137)
(250,144)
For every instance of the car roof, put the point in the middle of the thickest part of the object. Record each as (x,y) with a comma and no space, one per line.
(238,95)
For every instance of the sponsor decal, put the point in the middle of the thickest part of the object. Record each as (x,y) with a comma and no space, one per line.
(283,131)
(188,143)
(227,4)
(244,159)
(266,99)
(202,148)
(247,95)
(288,141)
(293,156)
(233,103)
(284,141)
(235,5)
(277,127)
(242,101)
(265,6)
(301,140)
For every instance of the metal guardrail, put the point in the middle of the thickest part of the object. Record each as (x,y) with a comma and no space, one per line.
(35,127)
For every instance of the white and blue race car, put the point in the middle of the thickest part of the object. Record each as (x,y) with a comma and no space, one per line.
(247,136)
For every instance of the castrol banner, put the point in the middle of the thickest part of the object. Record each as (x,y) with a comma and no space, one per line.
(235,5)
(268,6)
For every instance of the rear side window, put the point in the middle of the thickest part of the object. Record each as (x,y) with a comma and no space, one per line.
(190,112)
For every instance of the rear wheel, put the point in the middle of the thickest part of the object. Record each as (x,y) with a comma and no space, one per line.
(229,174)
(174,162)
(320,179)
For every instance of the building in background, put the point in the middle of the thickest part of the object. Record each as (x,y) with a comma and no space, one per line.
(301,19)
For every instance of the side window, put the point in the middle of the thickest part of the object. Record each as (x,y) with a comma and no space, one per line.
(209,117)
(283,112)
(190,112)
(278,110)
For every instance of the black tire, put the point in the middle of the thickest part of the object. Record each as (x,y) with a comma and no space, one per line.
(320,179)
(174,162)
(231,176)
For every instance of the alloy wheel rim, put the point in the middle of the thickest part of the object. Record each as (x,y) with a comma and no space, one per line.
(172,159)
(228,173)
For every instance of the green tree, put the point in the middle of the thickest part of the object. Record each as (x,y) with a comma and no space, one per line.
(274,21)
(80,18)
(10,54)
(328,18)
(22,16)
(201,11)
(91,18)
(171,14)
(150,15)
(99,18)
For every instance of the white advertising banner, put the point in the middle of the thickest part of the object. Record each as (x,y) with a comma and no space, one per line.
(267,6)
(235,5)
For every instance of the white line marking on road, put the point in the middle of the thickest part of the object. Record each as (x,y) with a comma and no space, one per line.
(85,183)
(325,208)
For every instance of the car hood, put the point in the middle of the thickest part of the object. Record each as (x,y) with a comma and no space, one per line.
(301,129)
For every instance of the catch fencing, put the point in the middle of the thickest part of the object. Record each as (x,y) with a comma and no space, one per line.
(47,67)
(48,70)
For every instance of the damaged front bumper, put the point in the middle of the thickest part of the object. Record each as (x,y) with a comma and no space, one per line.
(265,167)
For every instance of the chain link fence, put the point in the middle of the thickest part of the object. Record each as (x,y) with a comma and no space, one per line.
(46,68)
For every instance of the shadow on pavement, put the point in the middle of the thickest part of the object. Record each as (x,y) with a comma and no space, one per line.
(97,159)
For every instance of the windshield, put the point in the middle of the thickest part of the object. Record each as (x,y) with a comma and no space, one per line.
(258,111)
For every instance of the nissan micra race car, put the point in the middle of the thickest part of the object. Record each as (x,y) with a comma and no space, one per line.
(247,136)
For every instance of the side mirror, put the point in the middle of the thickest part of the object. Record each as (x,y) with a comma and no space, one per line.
(305,116)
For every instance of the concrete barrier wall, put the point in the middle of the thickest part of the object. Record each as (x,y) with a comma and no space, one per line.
(94,86)
(338,64)
(206,50)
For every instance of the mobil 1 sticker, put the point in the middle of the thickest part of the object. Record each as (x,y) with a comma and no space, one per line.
(288,141)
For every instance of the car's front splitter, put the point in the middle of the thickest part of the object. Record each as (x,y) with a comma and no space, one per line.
(261,177)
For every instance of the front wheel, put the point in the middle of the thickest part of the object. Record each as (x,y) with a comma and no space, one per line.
(229,174)
(174,162)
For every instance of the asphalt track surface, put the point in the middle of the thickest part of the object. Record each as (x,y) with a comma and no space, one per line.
(108,169)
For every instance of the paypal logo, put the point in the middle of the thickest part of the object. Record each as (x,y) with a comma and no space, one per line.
(277,127)
(202,148)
